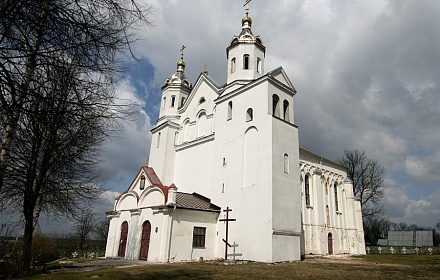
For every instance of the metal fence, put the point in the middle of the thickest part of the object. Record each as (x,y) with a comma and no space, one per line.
(402,250)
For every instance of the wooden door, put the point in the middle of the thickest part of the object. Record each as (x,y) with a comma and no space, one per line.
(123,240)
(145,241)
(330,244)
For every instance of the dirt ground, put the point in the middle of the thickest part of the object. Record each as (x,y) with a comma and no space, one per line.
(328,267)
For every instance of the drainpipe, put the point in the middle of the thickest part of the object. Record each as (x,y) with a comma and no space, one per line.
(171,201)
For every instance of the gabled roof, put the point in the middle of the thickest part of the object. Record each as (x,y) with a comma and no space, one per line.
(152,178)
(203,78)
(195,201)
(277,76)
(319,158)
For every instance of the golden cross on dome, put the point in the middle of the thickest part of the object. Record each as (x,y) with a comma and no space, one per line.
(183,47)
(247,5)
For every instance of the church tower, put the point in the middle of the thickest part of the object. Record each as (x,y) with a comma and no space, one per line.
(245,54)
(175,91)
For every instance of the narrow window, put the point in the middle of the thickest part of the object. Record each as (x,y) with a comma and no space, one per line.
(246,61)
(158,140)
(202,100)
(186,131)
(336,198)
(275,105)
(328,215)
(182,101)
(164,101)
(223,188)
(173,100)
(233,65)
(307,189)
(229,110)
(259,65)
(176,137)
(202,125)
(142,183)
(199,237)
(286,163)
(286,111)
(249,115)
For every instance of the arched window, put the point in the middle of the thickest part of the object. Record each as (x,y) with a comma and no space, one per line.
(142,182)
(164,101)
(286,111)
(307,189)
(249,115)
(259,65)
(336,198)
(246,61)
(176,138)
(202,100)
(233,65)
(182,101)
(229,110)
(173,101)
(201,124)
(186,131)
(328,215)
(275,105)
(251,148)
(286,163)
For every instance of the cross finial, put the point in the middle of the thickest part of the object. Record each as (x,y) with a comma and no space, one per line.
(246,4)
(205,70)
(183,47)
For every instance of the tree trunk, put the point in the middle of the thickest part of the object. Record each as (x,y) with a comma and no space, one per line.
(26,258)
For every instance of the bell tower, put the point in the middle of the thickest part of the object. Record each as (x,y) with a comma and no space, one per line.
(175,91)
(245,53)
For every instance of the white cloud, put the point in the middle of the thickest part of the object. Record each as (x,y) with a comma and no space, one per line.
(423,169)
(127,151)
(366,72)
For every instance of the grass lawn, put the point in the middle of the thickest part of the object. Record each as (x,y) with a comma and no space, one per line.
(361,267)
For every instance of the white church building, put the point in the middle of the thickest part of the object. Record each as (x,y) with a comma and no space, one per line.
(234,147)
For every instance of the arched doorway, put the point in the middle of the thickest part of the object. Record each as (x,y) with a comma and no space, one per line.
(123,240)
(330,244)
(145,240)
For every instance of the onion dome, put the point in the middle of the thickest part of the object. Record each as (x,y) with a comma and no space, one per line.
(178,78)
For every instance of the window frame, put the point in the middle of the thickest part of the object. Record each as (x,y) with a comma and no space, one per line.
(307,189)
(336,198)
(246,61)
(199,237)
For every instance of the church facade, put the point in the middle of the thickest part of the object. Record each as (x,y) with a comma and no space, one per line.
(227,179)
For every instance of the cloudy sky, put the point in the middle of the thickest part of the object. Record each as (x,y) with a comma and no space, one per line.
(367,75)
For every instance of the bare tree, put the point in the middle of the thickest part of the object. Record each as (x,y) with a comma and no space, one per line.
(84,226)
(101,229)
(58,65)
(367,176)
(37,34)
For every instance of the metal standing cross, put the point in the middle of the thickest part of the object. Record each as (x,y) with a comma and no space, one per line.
(183,47)
(246,4)
(227,220)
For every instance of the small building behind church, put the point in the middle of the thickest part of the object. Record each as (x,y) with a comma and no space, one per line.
(227,178)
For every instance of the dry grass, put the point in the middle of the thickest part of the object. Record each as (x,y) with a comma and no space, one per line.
(364,267)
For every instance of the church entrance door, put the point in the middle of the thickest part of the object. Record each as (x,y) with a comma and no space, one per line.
(123,240)
(330,244)
(145,240)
